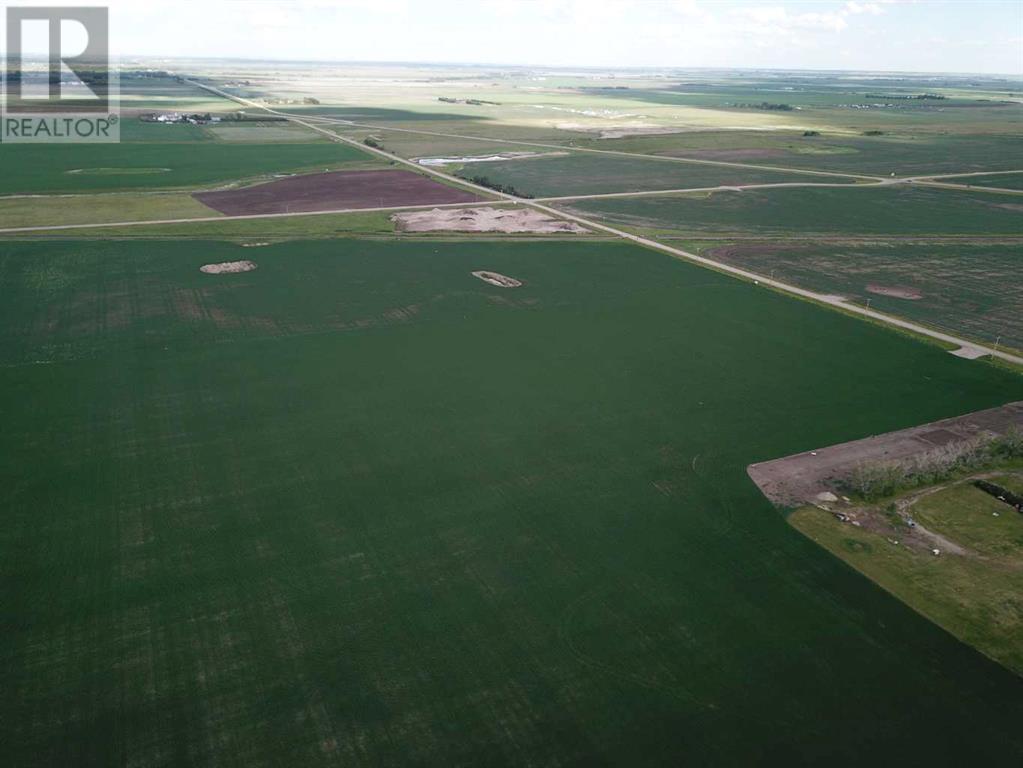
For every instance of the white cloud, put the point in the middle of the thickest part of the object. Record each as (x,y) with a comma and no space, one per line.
(858,8)
(815,34)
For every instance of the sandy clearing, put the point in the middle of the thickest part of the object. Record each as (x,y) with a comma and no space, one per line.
(483,220)
(496,278)
(895,291)
(228,267)
(968,353)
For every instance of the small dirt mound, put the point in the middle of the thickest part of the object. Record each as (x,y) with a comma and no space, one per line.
(494,278)
(228,267)
(895,291)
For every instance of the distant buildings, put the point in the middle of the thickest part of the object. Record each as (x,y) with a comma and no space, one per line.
(179,118)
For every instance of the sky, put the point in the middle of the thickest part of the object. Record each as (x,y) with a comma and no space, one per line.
(972,36)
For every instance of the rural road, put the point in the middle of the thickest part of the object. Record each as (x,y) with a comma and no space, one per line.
(885,182)
(967,348)
(222,219)
(719,188)
(822,298)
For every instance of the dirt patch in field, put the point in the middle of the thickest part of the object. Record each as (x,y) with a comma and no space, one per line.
(799,479)
(895,291)
(495,278)
(228,267)
(334,190)
(483,220)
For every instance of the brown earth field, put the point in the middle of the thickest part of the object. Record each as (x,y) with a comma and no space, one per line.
(333,191)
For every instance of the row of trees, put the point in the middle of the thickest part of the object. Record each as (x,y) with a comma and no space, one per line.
(768,106)
(878,480)
(507,189)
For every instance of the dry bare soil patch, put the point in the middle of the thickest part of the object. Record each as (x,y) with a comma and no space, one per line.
(228,267)
(496,278)
(483,220)
(895,291)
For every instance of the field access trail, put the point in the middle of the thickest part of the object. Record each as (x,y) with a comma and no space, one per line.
(966,348)
(240,217)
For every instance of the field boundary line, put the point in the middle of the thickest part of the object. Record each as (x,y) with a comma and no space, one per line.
(247,216)
(722,188)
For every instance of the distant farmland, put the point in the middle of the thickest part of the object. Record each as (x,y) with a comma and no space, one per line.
(358,506)
(110,167)
(583,174)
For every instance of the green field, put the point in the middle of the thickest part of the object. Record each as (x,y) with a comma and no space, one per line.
(587,174)
(57,210)
(978,596)
(358,507)
(134,131)
(966,287)
(895,210)
(53,168)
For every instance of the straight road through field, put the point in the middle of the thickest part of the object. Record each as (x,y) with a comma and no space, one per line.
(719,188)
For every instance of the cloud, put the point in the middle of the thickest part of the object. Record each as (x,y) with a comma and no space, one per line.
(810,34)
(775,20)
(857,8)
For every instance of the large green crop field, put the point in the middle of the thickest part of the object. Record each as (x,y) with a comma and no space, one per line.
(359,507)
(895,210)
